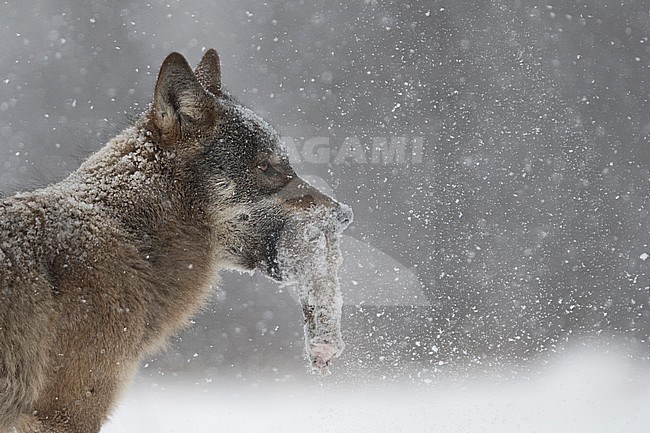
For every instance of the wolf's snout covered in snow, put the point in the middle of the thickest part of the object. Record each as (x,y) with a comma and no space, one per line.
(98,270)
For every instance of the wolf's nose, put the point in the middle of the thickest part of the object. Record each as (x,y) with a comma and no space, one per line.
(344,217)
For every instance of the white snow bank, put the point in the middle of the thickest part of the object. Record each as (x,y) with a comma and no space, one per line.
(585,392)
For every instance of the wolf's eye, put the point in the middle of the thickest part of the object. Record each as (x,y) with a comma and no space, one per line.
(266,168)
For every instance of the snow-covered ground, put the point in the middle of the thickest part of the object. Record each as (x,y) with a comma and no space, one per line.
(585,391)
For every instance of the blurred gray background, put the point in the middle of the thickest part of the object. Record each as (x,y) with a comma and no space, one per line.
(523,227)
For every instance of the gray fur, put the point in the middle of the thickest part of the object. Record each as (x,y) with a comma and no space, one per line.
(100,269)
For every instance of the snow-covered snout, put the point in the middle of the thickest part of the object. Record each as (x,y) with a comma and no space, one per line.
(300,196)
(309,255)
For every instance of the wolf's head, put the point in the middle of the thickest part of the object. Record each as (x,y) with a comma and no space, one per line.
(234,163)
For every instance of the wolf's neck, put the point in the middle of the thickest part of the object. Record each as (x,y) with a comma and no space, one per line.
(137,185)
(128,164)
(166,240)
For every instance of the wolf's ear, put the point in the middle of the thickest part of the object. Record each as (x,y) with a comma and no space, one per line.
(208,72)
(180,106)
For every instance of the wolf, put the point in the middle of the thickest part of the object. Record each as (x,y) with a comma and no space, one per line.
(98,270)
